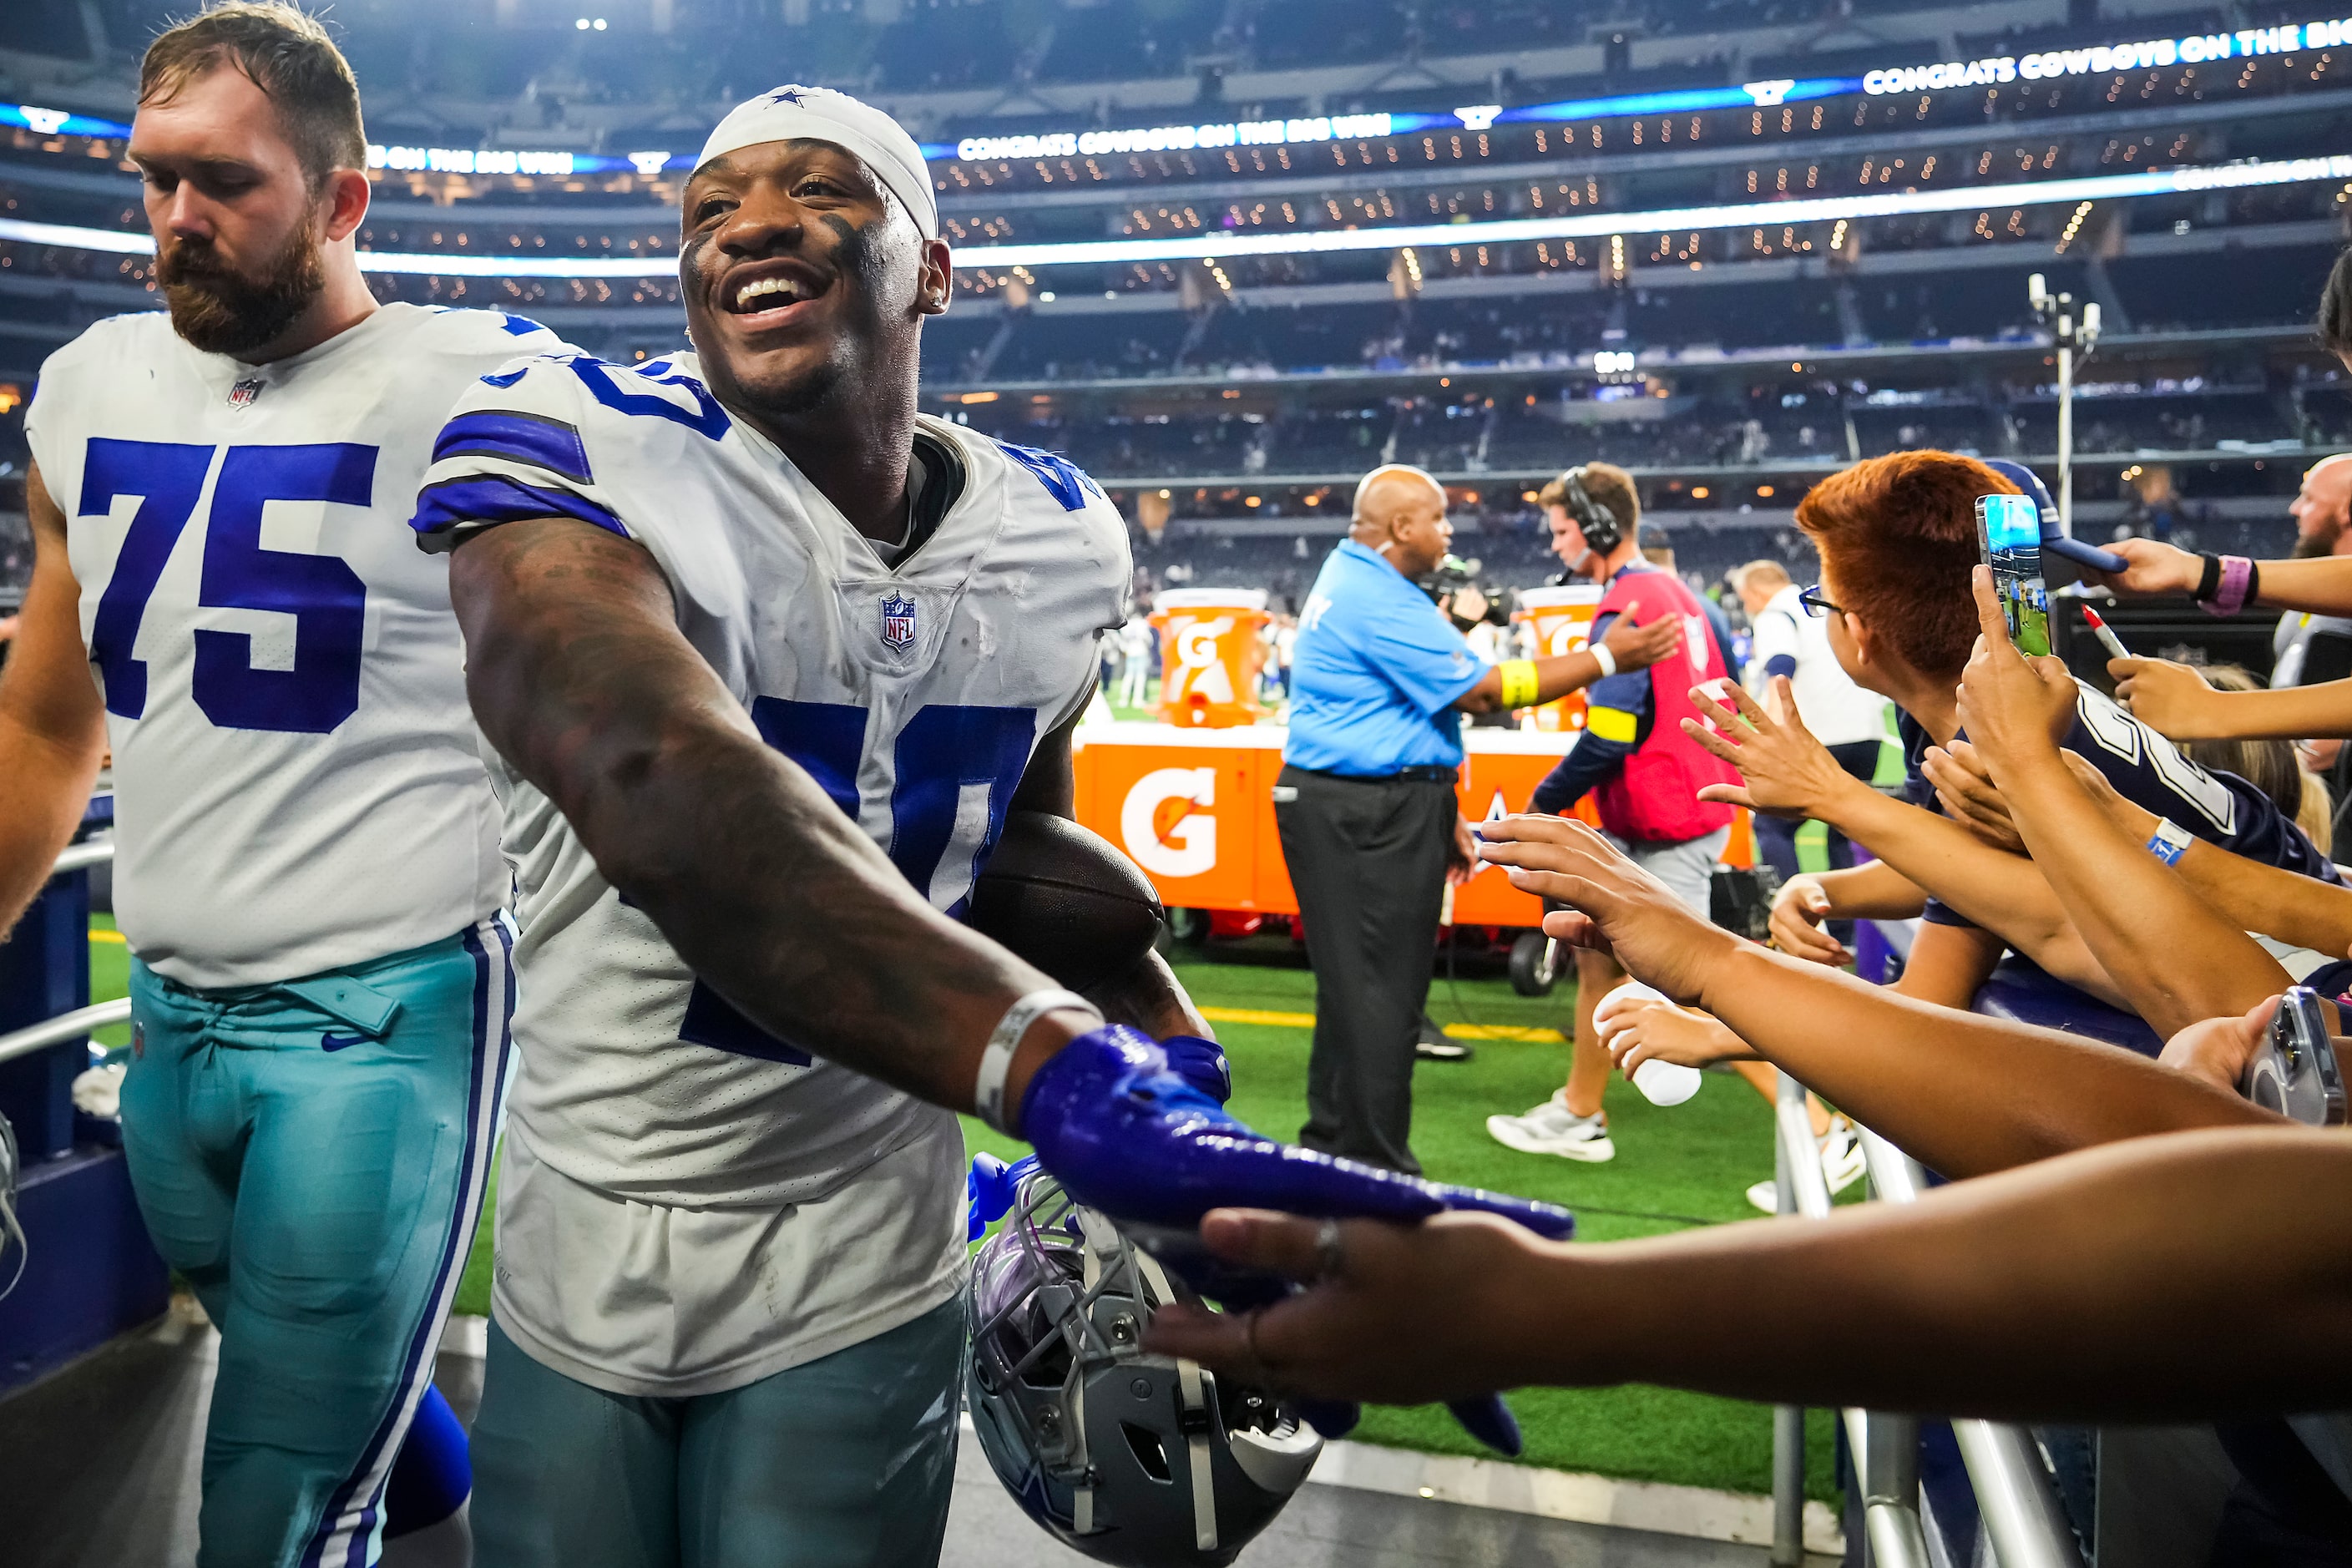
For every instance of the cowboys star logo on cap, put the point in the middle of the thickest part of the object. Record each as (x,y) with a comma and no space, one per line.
(897,622)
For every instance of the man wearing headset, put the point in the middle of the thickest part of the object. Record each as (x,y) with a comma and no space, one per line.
(1644,773)
(1366,805)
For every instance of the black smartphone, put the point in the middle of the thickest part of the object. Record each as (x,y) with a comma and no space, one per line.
(2009,538)
(2293,1071)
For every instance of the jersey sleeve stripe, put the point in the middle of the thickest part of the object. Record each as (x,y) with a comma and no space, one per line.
(519,437)
(479,501)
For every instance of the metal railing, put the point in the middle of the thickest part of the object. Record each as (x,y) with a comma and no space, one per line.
(82,1021)
(65,1027)
(82,857)
(2015,1499)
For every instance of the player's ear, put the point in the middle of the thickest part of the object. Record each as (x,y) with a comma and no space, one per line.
(345,196)
(935,288)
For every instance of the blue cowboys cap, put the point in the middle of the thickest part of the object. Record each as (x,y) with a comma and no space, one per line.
(794,114)
(2028,483)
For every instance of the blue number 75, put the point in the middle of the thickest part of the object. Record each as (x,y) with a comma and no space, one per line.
(324,596)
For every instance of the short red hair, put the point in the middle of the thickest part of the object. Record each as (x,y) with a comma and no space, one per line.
(1898,534)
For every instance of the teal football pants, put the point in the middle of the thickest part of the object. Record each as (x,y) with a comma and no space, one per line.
(845,1462)
(311,1156)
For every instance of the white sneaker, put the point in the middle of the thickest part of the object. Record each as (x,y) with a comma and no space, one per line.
(1843,1164)
(1843,1160)
(1552,1129)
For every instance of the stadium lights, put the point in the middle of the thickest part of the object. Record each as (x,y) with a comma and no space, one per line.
(1222,247)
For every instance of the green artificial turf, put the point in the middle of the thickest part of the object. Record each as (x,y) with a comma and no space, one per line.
(109,975)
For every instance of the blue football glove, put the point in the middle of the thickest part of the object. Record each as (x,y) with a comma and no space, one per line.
(1124,1131)
(988,1188)
(1200,1063)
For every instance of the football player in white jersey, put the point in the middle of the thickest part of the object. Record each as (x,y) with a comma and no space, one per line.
(767,657)
(307,862)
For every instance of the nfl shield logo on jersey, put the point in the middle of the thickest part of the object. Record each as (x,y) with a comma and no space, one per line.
(242,394)
(897,622)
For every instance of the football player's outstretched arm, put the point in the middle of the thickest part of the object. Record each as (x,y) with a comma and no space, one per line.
(581,678)
(52,724)
(1963,1094)
(1148,996)
(2053,1293)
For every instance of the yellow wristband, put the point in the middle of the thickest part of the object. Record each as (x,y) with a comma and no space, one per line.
(1519,686)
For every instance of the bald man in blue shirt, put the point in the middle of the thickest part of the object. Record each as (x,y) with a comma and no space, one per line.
(1380,680)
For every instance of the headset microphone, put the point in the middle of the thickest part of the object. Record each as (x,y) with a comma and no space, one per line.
(1602,532)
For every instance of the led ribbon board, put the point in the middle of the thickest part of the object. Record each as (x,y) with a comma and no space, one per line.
(1201,248)
(58,122)
(2194,48)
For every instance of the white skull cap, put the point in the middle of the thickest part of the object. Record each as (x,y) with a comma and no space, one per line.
(794,114)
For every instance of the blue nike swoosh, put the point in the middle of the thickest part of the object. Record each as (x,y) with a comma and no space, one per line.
(337,1042)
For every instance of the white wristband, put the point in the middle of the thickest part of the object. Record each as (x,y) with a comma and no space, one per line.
(1603,658)
(988,1090)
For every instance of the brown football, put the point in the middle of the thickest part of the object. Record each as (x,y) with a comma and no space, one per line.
(1067,899)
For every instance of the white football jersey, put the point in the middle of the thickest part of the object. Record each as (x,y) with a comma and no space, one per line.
(914,697)
(297,775)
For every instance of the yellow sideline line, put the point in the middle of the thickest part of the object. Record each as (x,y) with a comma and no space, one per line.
(112,938)
(1454,1031)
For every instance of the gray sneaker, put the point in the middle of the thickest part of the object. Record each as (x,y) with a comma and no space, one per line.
(1552,1129)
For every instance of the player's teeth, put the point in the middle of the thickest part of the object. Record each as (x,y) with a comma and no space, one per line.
(765,286)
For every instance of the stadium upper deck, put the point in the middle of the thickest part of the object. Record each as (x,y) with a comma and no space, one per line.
(1209,260)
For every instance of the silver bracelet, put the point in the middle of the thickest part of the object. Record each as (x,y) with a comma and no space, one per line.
(1603,658)
(988,1090)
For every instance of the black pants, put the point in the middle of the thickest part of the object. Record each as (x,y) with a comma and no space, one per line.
(1368,862)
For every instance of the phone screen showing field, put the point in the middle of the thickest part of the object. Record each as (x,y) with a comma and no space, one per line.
(2008,533)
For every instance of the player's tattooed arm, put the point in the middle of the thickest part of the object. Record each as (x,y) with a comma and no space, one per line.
(52,722)
(1148,995)
(581,678)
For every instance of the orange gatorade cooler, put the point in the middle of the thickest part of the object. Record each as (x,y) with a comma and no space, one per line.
(1210,655)
(1561,620)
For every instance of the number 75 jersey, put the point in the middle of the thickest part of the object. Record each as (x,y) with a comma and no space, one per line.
(297,783)
(913,694)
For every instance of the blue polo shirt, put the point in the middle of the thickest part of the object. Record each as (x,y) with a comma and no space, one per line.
(1374,672)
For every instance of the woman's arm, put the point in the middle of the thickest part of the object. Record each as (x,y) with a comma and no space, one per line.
(2055,1293)
(2322,584)
(2174,699)
(1963,1094)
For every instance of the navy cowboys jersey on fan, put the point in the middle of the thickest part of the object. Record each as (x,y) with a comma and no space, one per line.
(2153,773)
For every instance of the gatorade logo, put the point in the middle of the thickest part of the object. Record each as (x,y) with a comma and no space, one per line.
(1167,824)
(1199,670)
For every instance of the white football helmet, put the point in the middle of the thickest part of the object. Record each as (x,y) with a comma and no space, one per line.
(1132,1458)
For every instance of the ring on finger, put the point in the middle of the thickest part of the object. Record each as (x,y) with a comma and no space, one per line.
(1331,1251)
(1258,1373)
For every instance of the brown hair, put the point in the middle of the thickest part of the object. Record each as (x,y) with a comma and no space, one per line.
(1606,483)
(2335,309)
(286,54)
(1898,535)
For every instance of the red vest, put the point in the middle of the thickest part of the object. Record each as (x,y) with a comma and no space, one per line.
(1653,798)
